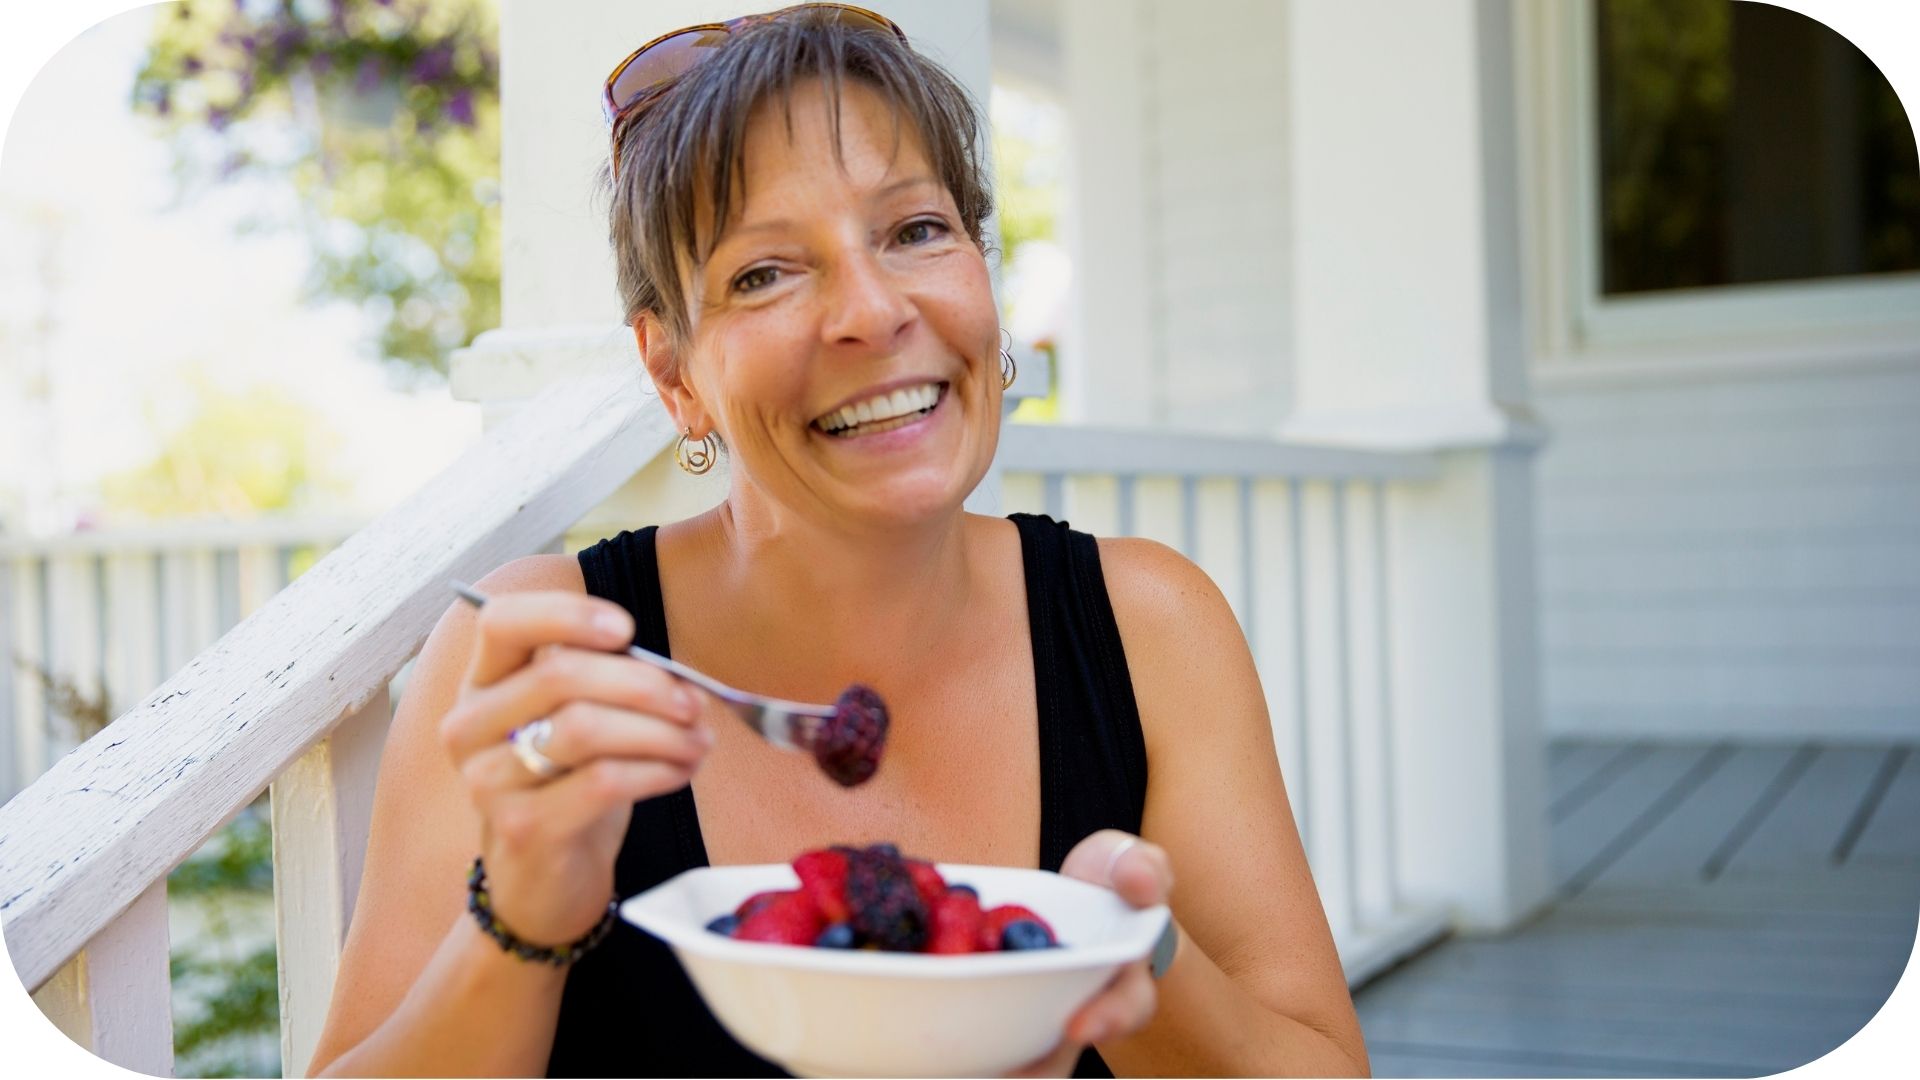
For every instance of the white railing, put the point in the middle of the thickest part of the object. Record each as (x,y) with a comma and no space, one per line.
(1296,539)
(114,613)
(295,697)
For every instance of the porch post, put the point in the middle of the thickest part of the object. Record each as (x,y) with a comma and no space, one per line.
(1407,313)
(560,308)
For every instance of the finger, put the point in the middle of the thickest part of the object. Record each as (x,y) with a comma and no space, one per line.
(583,732)
(1126,1006)
(513,625)
(565,806)
(560,675)
(1139,871)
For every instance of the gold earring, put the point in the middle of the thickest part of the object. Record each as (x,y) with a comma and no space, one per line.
(696,459)
(1008,369)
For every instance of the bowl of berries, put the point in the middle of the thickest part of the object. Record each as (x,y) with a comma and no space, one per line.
(863,962)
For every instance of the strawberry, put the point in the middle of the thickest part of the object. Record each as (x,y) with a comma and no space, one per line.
(755,902)
(996,921)
(787,919)
(927,881)
(823,877)
(957,924)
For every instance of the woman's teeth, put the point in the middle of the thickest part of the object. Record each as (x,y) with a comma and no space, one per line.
(884,413)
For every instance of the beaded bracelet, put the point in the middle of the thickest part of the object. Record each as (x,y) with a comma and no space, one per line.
(482,908)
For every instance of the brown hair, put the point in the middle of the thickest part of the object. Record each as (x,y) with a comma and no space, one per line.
(690,143)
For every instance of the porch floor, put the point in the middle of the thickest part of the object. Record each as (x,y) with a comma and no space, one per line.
(1723,910)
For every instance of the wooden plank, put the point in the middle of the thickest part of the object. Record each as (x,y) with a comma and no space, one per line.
(1570,764)
(322,811)
(1082,448)
(1623,759)
(1677,848)
(1650,818)
(1892,834)
(1390,1059)
(1586,832)
(1806,826)
(114,996)
(1329,825)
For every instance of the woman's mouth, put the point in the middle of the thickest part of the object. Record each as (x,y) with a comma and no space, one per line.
(883,413)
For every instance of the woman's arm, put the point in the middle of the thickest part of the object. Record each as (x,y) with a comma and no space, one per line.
(1256,988)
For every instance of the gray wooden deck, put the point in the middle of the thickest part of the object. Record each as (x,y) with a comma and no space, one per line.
(1724,910)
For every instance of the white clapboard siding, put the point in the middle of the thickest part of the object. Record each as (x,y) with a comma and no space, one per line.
(26,618)
(1734,554)
(108,821)
(322,813)
(113,998)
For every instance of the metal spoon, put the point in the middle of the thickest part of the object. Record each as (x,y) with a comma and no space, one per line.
(789,725)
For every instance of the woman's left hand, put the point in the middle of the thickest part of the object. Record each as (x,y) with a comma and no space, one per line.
(1143,876)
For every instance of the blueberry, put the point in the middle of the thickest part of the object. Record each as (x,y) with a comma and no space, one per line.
(724,925)
(837,936)
(968,889)
(888,850)
(1025,934)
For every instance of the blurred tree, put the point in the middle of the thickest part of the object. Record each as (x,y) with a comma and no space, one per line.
(238,456)
(383,116)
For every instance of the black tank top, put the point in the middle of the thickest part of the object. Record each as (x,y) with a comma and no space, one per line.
(629,1010)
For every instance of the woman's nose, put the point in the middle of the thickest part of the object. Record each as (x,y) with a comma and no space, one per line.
(865,305)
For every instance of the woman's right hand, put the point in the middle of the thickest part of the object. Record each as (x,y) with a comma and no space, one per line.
(623,731)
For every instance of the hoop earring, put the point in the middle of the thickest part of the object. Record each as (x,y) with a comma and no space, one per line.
(1008,369)
(697,459)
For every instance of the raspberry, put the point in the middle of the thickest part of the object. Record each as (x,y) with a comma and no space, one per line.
(787,919)
(823,877)
(848,744)
(926,881)
(887,910)
(997,920)
(755,902)
(957,923)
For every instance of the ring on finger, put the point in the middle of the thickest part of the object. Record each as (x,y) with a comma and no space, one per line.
(529,742)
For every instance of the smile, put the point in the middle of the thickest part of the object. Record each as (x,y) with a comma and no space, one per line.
(883,412)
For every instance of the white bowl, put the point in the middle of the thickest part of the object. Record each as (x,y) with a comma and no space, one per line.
(835,1012)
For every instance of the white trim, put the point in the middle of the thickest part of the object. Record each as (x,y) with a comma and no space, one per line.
(1576,328)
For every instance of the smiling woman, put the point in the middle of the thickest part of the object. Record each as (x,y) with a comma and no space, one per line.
(798,205)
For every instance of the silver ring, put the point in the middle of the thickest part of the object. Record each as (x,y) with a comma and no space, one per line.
(1113,859)
(528,740)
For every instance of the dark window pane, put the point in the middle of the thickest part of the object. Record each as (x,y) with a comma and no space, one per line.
(1742,143)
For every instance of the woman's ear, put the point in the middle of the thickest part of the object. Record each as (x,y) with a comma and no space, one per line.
(664,366)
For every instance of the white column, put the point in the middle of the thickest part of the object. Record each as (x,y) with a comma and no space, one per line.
(560,305)
(1407,314)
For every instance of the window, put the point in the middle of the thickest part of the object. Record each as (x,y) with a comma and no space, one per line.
(1741,143)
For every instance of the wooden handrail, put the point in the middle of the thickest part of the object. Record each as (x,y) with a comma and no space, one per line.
(1078,448)
(113,817)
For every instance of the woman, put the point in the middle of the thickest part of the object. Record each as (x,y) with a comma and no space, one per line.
(797,214)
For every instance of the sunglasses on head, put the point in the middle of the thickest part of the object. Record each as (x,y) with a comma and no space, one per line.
(650,70)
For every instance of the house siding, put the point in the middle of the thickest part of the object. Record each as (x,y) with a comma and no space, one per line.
(1738,556)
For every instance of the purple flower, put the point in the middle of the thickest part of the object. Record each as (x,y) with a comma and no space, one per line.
(191,64)
(320,63)
(162,101)
(217,118)
(248,42)
(460,107)
(433,65)
(368,78)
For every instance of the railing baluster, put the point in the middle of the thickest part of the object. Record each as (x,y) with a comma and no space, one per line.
(322,809)
(1190,516)
(1390,855)
(1055,495)
(1126,505)
(1303,747)
(10,679)
(1249,621)
(1349,779)
(115,996)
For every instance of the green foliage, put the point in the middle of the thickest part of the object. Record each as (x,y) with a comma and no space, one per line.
(238,997)
(383,118)
(241,454)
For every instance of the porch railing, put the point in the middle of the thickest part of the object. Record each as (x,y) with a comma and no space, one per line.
(295,697)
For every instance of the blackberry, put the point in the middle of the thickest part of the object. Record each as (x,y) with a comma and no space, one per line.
(848,744)
(724,925)
(887,910)
(838,936)
(1025,934)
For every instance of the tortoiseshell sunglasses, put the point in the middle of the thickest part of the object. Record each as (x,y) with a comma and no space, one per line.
(652,68)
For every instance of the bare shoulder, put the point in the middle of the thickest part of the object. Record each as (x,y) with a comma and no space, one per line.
(1158,593)
(534,572)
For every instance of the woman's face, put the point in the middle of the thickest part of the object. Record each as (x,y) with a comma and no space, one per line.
(845,290)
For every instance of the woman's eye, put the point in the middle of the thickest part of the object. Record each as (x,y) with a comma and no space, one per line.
(919,232)
(757,278)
